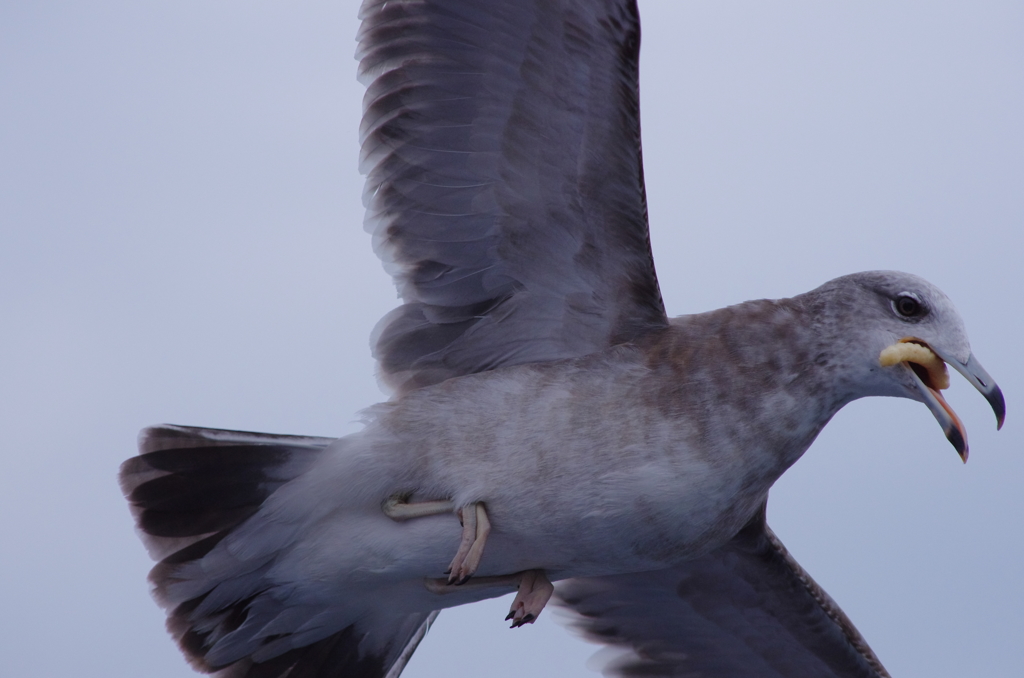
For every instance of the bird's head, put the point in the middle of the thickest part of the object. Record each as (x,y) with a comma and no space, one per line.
(896,333)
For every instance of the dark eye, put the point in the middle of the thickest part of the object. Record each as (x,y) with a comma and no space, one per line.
(907,306)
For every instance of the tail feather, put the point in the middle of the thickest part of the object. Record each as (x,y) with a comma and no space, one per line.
(189,489)
(190,484)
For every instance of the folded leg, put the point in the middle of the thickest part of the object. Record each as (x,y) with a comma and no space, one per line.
(475,528)
(397,508)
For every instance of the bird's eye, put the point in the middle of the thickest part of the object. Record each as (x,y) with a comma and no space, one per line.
(907,306)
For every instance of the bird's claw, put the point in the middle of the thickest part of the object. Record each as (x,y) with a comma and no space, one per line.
(475,528)
(534,593)
(534,589)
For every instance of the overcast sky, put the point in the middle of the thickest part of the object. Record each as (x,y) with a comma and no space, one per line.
(181,241)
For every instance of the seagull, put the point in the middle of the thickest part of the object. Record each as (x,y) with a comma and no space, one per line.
(551,430)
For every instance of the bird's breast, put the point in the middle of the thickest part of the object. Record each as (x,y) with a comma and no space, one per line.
(583,473)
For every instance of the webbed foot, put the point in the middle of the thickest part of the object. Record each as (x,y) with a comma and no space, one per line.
(475,528)
(534,593)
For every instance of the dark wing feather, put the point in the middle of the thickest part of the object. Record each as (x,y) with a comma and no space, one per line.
(747,609)
(505,190)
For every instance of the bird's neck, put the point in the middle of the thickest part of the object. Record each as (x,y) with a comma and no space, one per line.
(760,375)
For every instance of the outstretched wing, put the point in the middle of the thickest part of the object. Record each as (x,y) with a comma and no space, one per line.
(747,609)
(505,192)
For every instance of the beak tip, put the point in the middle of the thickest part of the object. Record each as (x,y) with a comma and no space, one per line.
(982,381)
(998,404)
(959,441)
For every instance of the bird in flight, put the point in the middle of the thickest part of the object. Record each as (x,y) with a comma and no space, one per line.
(551,431)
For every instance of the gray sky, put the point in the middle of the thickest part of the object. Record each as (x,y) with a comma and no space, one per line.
(181,241)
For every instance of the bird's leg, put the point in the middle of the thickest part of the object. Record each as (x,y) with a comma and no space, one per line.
(441,586)
(475,528)
(534,593)
(397,508)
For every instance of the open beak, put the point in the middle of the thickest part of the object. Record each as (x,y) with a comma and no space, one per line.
(947,418)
